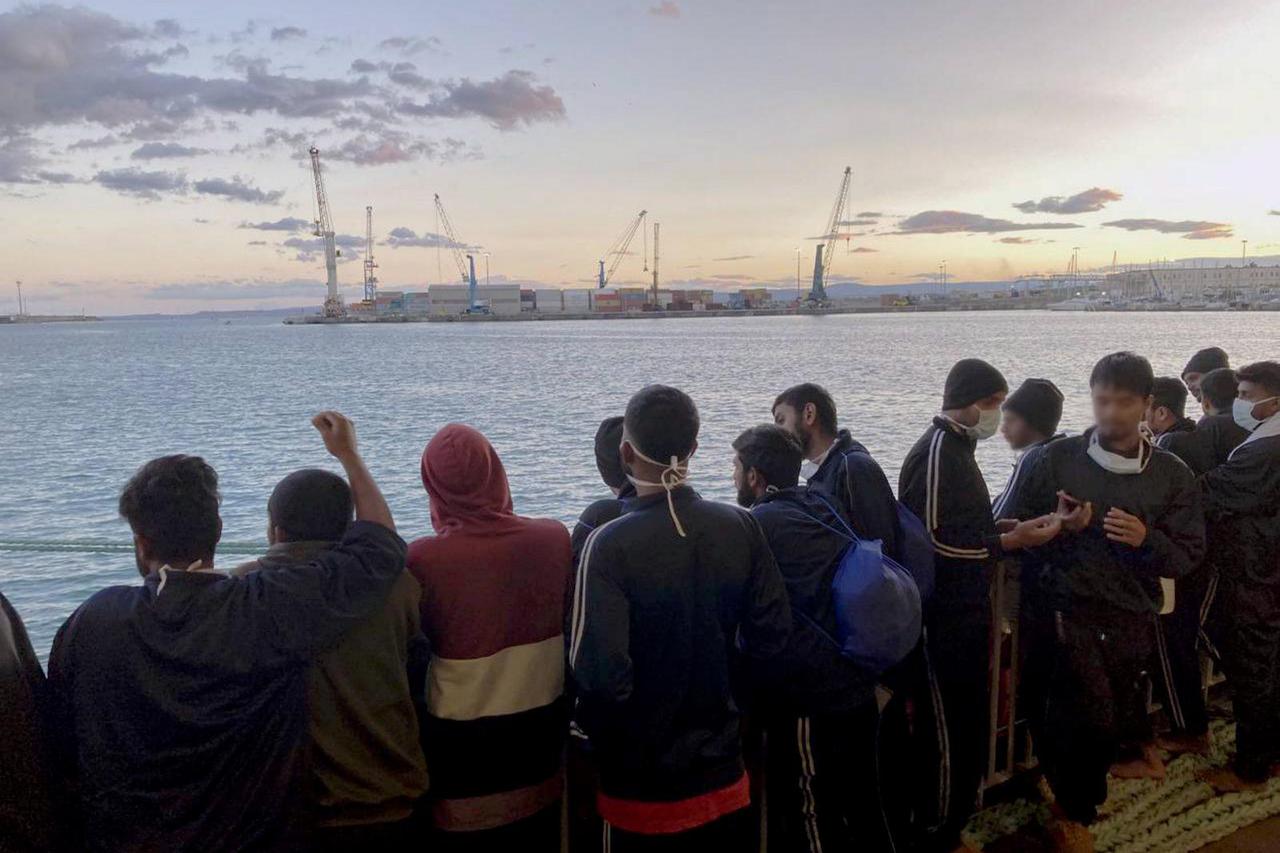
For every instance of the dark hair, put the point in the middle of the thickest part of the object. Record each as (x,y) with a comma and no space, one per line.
(1124,371)
(311,504)
(172,502)
(662,422)
(608,459)
(799,396)
(1168,391)
(1219,387)
(1264,373)
(773,451)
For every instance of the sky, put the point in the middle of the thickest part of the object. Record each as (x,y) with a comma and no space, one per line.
(153,155)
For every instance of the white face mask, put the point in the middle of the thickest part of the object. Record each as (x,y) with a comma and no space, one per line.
(1114,462)
(673,475)
(1242,412)
(988,423)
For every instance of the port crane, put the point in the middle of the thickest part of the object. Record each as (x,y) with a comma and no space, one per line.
(822,255)
(370,280)
(333,306)
(618,250)
(463,260)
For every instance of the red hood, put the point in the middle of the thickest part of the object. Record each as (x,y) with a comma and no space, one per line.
(466,481)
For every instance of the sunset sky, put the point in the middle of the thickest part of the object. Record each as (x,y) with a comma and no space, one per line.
(153,154)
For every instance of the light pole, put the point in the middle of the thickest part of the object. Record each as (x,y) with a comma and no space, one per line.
(1244,244)
(486,269)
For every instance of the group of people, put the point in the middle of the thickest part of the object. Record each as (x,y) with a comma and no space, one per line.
(671,675)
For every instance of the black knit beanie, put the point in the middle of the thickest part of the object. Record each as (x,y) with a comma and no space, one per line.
(1039,403)
(971,380)
(608,456)
(1205,360)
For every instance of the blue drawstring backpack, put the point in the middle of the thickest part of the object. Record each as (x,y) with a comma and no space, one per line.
(877,602)
(915,550)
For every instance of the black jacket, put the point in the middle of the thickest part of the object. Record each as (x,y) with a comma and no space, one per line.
(1221,434)
(656,617)
(1187,443)
(1008,499)
(1086,568)
(1242,503)
(859,484)
(29,817)
(598,513)
(181,702)
(941,483)
(811,676)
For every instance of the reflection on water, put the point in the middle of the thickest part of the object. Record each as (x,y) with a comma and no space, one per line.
(85,405)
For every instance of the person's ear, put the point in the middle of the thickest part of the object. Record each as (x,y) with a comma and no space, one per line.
(810,414)
(694,449)
(142,547)
(627,453)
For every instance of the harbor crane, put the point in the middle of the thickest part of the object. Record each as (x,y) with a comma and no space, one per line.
(463,260)
(333,306)
(654,297)
(825,250)
(370,280)
(618,250)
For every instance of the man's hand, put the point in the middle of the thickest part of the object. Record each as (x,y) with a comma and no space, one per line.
(1123,527)
(1075,514)
(1006,525)
(1032,533)
(338,432)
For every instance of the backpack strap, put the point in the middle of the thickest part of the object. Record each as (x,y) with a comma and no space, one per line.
(848,530)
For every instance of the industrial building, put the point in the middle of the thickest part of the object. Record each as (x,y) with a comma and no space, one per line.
(1248,282)
(451,299)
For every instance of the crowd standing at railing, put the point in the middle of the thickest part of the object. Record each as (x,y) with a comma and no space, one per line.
(812,666)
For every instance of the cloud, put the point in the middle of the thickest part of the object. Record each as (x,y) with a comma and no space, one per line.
(735,258)
(505,102)
(237,189)
(1088,201)
(402,237)
(288,223)
(406,74)
(257,242)
(665,9)
(1275,213)
(287,33)
(98,142)
(870,214)
(862,250)
(165,150)
(1017,241)
(956,222)
(311,249)
(1190,229)
(396,147)
(364,66)
(140,183)
(411,46)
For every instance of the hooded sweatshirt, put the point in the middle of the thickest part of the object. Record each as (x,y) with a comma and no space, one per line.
(180,704)
(493,597)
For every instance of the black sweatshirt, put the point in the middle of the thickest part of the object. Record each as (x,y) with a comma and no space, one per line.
(1221,434)
(941,483)
(656,618)
(851,474)
(1008,499)
(1184,441)
(1086,569)
(1242,503)
(181,702)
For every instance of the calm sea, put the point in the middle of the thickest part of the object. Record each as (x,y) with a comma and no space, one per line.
(83,405)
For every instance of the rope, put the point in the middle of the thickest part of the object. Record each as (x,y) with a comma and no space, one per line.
(87,546)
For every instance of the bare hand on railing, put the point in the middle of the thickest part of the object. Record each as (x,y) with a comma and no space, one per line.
(1075,514)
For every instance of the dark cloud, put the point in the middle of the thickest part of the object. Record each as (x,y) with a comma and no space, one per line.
(57,177)
(165,150)
(287,33)
(505,102)
(1190,229)
(170,29)
(1089,201)
(870,214)
(98,142)
(862,250)
(406,74)
(311,249)
(364,66)
(396,147)
(665,9)
(956,222)
(735,258)
(237,189)
(257,243)
(289,223)
(142,184)
(1017,241)
(411,46)
(402,237)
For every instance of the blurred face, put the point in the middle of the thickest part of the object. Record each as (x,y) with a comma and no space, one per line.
(798,423)
(1017,431)
(1193,383)
(1117,412)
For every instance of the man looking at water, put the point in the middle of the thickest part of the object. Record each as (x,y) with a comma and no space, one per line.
(1209,358)
(819,706)
(27,807)
(1167,419)
(180,704)
(365,761)
(1133,515)
(1218,430)
(665,595)
(1242,502)
(608,445)
(941,482)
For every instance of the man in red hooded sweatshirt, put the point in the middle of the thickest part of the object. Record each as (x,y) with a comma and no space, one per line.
(493,597)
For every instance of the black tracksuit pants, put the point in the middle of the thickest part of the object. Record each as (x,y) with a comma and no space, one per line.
(823,785)
(732,833)
(1177,663)
(1093,699)
(1251,657)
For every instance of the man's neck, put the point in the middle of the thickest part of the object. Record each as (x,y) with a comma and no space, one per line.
(964,417)
(819,446)
(1125,446)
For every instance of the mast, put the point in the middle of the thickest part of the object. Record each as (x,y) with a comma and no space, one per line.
(370,280)
(655,265)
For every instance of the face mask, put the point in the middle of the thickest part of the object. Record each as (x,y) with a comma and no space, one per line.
(1114,462)
(988,423)
(1242,412)
(673,475)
